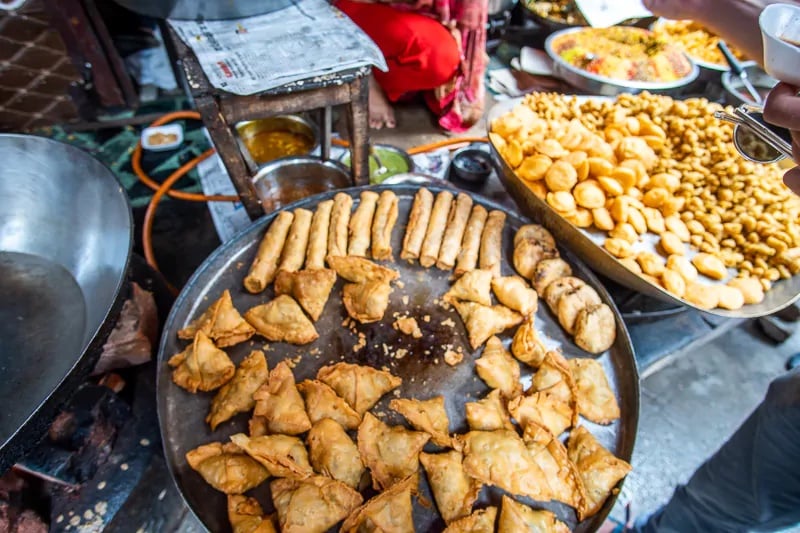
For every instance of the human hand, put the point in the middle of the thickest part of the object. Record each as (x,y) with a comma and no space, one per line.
(675,9)
(783,109)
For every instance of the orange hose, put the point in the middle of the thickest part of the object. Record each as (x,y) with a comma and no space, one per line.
(422,148)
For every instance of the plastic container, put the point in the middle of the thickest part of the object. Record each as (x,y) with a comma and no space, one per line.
(162,138)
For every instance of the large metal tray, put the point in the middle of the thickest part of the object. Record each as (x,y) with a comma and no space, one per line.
(423,371)
(588,243)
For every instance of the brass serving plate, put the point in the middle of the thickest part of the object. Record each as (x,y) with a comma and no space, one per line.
(588,243)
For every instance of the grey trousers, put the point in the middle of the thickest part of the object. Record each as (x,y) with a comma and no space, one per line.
(752,483)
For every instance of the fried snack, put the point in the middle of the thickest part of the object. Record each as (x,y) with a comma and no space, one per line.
(382,226)
(429,416)
(361,223)
(390,452)
(435,231)
(281,404)
(390,511)
(544,409)
(340,219)
(454,491)
(527,346)
(360,386)
(498,369)
(701,295)
(572,303)
(488,414)
(694,39)
(671,244)
(491,253)
(514,293)
(555,378)
(226,467)
(528,254)
(473,286)
(710,265)
(595,328)
(236,396)
(282,320)
(322,402)
(281,455)
(683,266)
(673,282)
(318,236)
(650,263)
(556,289)
(257,426)
(311,288)
(467,259)
(598,468)
(730,298)
(201,366)
(265,264)
(515,517)
(246,516)
(221,322)
(454,232)
(500,458)
(625,232)
(549,270)
(551,456)
(602,218)
(596,400)
(481,521)
(751,289)
(619,248)
(483,321)
(334,454)
(361,270)
(535,233)
(294,251)
(312,505)
(366,302)
(417,224)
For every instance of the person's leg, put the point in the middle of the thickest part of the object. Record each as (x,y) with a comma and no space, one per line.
(752,482)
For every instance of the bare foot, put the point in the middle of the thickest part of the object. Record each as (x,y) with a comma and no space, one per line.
(381,112)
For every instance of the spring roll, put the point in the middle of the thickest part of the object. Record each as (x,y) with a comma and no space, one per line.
(417,224)
(318,236)
(471,243)
(382,226)
(337,232)
(454,232)
(360,224)
(265,265)
(492,243)
(294,252)
(435,231)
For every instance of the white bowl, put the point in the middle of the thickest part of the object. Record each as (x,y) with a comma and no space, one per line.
(161,138)
(781,23)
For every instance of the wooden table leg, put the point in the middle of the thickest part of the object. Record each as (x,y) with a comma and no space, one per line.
(358,118)
(327,129)
(228,150)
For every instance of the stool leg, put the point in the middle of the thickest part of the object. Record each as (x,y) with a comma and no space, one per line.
(358,118)
(327,126)
(228,151)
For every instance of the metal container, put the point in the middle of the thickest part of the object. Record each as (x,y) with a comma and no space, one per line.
(203,9)
(373,163)
(289,123)
(600,85)
(289,179)
(735,93)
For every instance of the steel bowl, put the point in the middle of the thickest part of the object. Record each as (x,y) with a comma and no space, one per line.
(551,25)
(289,123)
(603,86)
(735,93)
(289,179)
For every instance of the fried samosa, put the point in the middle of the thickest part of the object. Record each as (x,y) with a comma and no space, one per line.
(366,302)
(516,517)
(544,409)
(246,516)
(282,320)
(598,468)
(360,386)
(390,511)
(360,270)
(257,426)
(488,414)
(527,346)
(481,521)
(555,378)
(515,293)
(500,458)
(221,322)
(390,452)
(311,288)
(312,505)
(474,286)
(281,404)
(483,321)
(333,453)
(226,467)
(281,455)
(453,490)
(236,396)
(498,369)
(429,416)
(201,366)
(596,400)
(323,402)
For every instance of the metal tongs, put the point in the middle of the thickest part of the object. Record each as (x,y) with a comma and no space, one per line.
(754,138)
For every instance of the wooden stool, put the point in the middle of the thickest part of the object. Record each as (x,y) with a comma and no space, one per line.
(222,111)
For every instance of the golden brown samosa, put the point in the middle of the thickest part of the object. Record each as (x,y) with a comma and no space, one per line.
(515,293)
(360,386)
(554,377)
(227,467)
(236,396)
(281,455)
(516,517)
(323,402)
(473,286)
(390,511)
(246,516)
(483,321)
(390,452)
(312,505)
(311,288)
(201,366)
(598,468)
(498,369)
(429,416)
(527,346)
(360,270)
(488,414)
(366,302)
(481,521)
(333,453)
(544,409)
(282,320)
(596,400)
(453,490)
(281,404)
(221,322)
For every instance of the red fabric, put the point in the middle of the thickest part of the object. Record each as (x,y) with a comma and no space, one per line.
(420,52)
